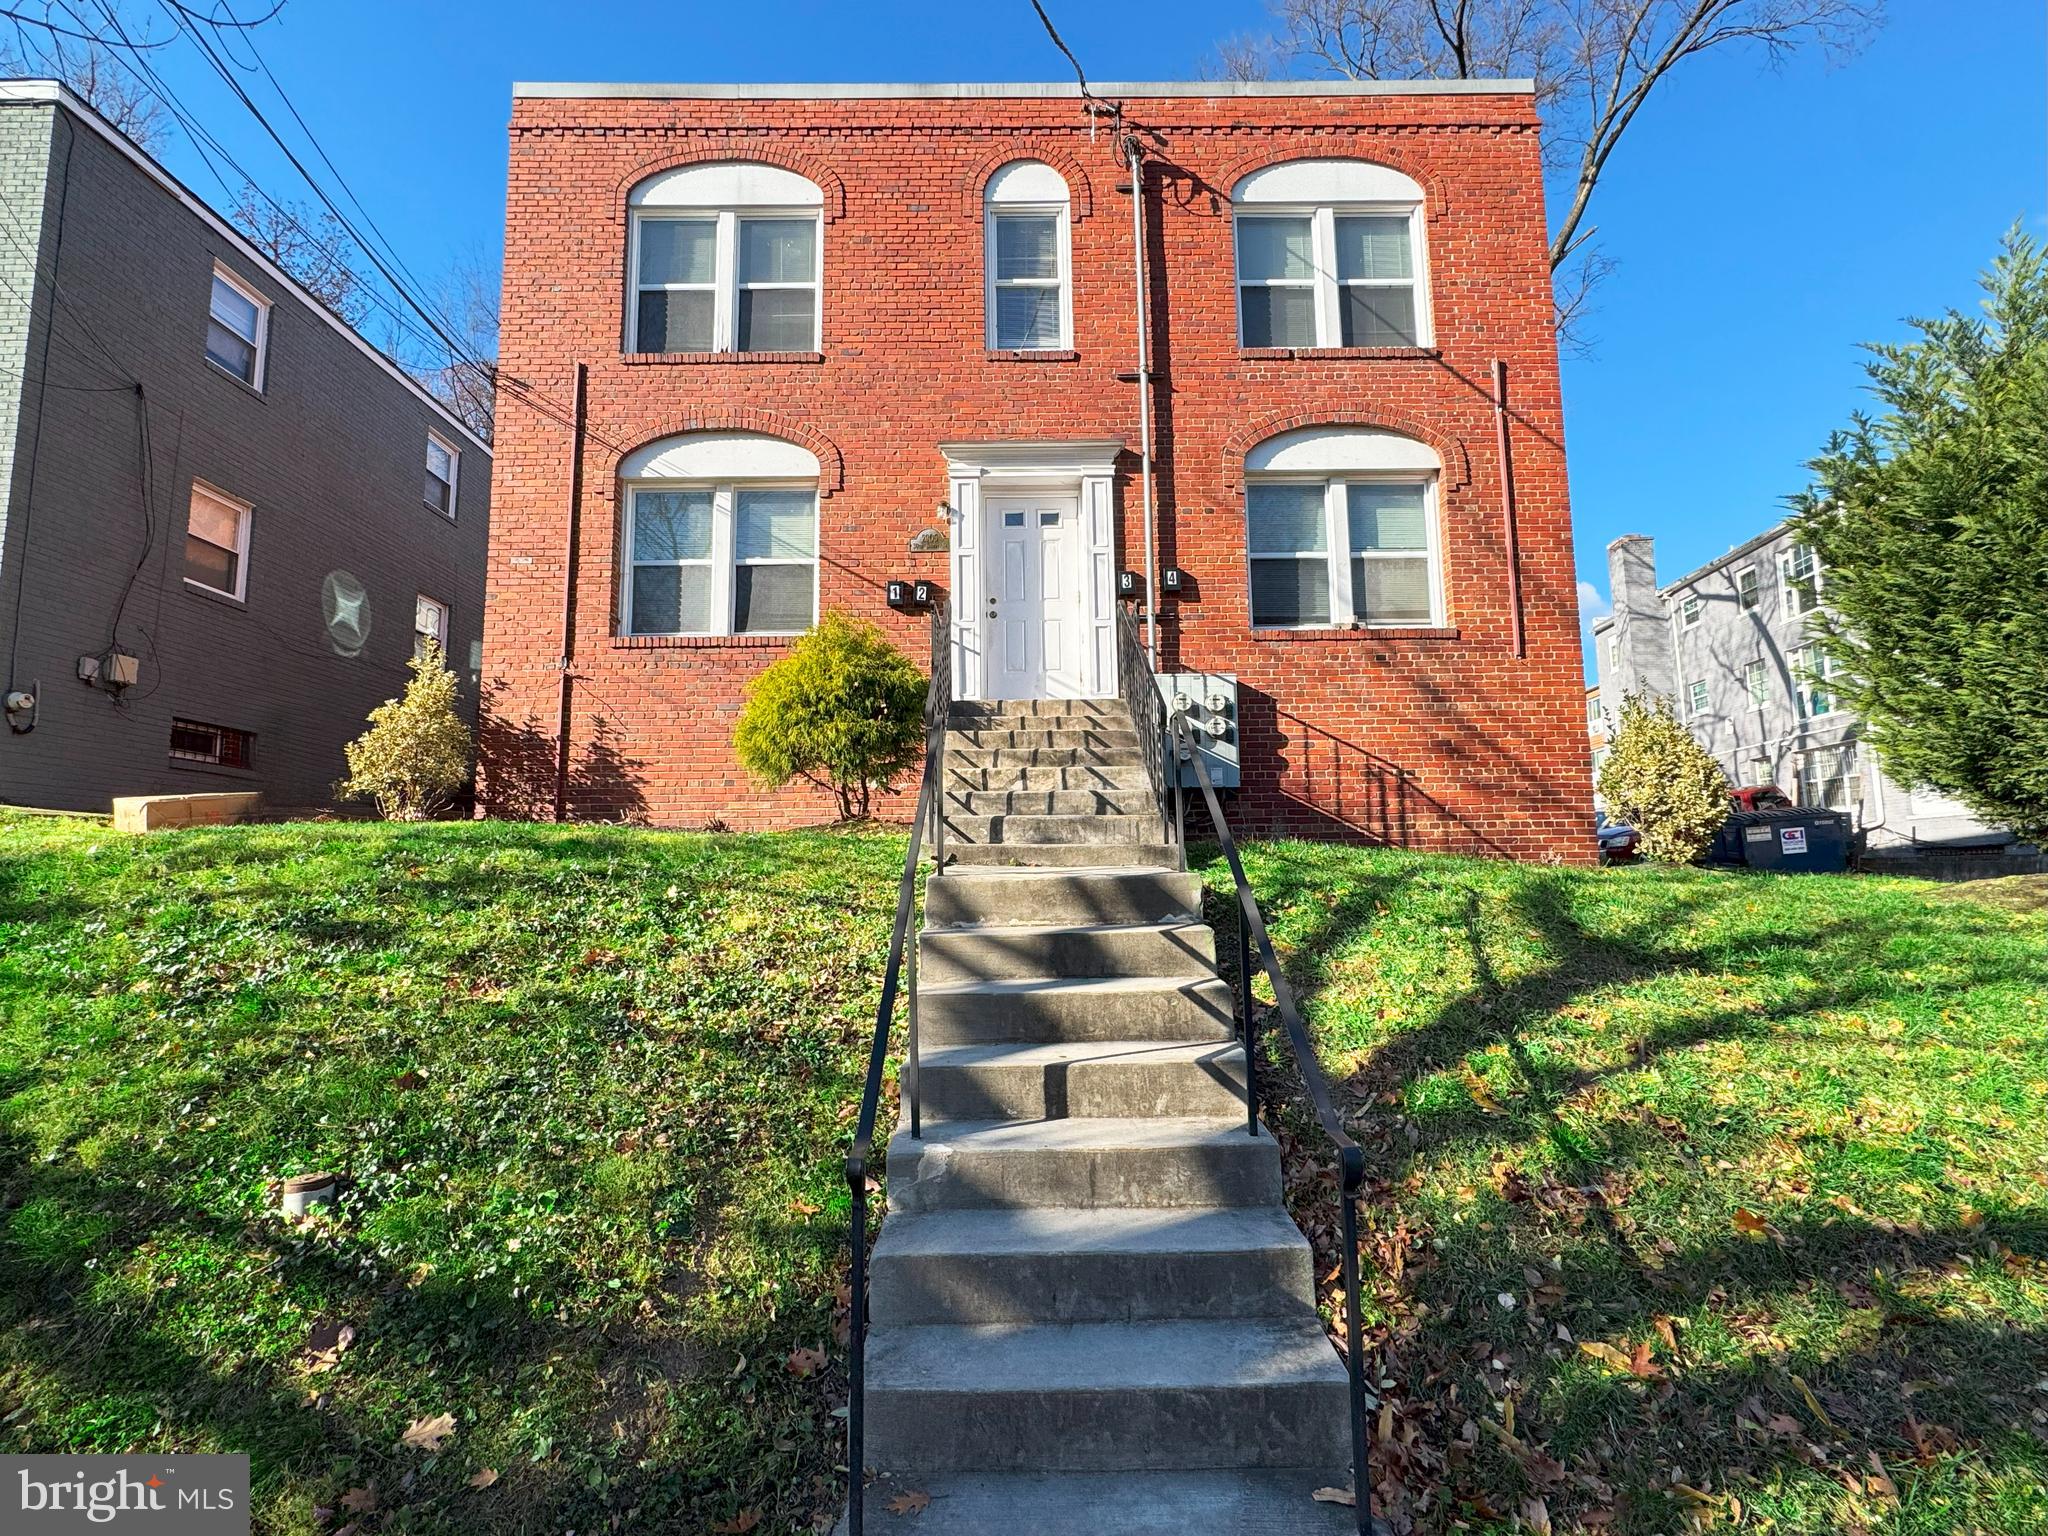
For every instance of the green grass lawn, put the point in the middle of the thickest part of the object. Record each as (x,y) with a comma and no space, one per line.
(1774,1147)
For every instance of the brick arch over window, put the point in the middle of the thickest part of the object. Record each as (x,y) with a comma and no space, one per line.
(1457,464)
(715,418)
(816,171)
(1080,192)
(1394,154)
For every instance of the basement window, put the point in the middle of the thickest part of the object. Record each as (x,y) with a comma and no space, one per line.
(218,745)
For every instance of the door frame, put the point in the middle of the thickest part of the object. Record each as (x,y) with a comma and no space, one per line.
(1083,470)
(1058,591)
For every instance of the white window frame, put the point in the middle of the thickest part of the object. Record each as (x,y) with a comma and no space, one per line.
(1814,668)
(447,617)
(1698,699)
(722,563)
(725,285)
(1690,609)
(1323,277)
(1787,584)
(454,474)
(1338,553)
(993,212)
(1748,601)
(1756,680)
(245,515)
(1850,780)
(261,340)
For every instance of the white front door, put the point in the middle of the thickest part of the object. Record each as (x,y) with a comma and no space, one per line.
(1033,605)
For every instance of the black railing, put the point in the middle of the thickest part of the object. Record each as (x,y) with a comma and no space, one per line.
(1254,953)
(1139,688)
(900,975)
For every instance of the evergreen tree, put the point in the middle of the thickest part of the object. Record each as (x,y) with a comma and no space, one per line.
(1931,523)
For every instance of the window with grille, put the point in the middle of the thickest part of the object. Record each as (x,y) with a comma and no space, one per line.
(219,745)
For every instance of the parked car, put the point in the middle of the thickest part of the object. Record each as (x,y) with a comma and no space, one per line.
(1760,797)
(1618,842)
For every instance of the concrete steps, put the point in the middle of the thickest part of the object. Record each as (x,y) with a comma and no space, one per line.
(1090,829)
(1195,1007)
(1130,776)
(1053,896)
(1061,856)
(991,952)
(1081,1079)
(1244,1392)
(1051,802)
(1050,1265)
(1239,1502)
(1084,1164)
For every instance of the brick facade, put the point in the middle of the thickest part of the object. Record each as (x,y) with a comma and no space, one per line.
(1439,738)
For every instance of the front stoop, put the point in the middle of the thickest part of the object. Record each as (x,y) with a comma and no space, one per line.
(1089,1310)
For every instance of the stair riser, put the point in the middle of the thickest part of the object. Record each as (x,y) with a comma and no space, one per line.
(1051,802)
(1146,897)
(1065,830)
(1086,1090)
(1191,1011)
(1133,777)
(955,1177)
(1080,737)
(964,757)
(949,956)
(1090,1287)
(970,710)
(1250,1425)
(1132,855)
(1089,720)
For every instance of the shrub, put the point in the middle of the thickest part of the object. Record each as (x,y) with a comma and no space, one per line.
(844,709)
(1662,782)
(415,756)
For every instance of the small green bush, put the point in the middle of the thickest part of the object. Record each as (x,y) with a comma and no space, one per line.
(1662,782)
(844,709)
(415,757)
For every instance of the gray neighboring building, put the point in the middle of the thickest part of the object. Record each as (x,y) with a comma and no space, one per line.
(224,516)
(1727,644)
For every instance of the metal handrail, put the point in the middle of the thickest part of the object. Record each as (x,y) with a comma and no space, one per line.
(899,975)
(1251,928)
(1139,689)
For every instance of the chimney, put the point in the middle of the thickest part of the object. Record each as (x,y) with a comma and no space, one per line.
(1641,620)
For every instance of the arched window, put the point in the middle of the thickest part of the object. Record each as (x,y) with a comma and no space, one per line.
(1029,260)
(1330,254)
(1341,529)
(721,536)
(725,258)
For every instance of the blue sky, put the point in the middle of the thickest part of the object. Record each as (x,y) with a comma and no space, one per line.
(1765,222)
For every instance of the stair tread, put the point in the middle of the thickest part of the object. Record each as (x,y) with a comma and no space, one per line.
(1155,1355)
(1027,1053)
(1251,1502)
(1068,984)
(1079,1135)
(1028,1232)
(1000,930)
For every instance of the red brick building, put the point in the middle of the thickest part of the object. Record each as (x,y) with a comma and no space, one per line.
(766,349)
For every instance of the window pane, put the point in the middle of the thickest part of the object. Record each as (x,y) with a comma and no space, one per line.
(1027,246)
(671,599)
(231,352)
(671,525)
(1027,318)
(234,309)
(1284,519)
(778,250)
(771,598)
(1279,317)
(215,521)
(778,319)
(1392,591)
(1274,248)
(440,462)
(675,322)
(1290,592)
(1387,517)
(678,250)
(1373,245)
(210,564)
(1378,317)
(436,492)
(775,525)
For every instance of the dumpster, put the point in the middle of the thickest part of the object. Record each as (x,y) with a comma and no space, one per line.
(1802,839)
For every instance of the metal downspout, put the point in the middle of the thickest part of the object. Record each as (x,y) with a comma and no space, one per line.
(1137,162)
(1510,534)
(569,546)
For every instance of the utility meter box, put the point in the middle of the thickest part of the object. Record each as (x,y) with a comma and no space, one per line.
(1209,700)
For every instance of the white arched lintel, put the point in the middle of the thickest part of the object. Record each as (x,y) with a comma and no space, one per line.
(1027,181)
(727,184)
(720,456)
(1340,450)
(1295,182)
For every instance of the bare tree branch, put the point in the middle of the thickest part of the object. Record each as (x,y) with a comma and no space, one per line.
(467,296)
(309,244)
(98,78)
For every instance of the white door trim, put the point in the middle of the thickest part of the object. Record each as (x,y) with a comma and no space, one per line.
(1086,470)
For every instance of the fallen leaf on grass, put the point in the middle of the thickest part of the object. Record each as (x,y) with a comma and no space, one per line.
(1344,1496)
(806,1362)
(429,1435)
(1536,1515)
(740,1523)
(484,1478)
(804,1208)
(360,1501)
(325,1342)
(1749,1224)
(912,1501)
(1813,1403)
(1481,1094)
(1608,1356)
(408,1080)
(1880,1481)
